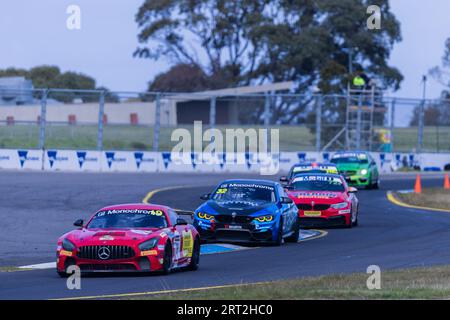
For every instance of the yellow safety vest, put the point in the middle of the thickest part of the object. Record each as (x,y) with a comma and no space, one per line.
(358,82)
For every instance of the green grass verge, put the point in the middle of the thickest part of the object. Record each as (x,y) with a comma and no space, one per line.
(437,198)
(124,137)
(415,283)
(12,269)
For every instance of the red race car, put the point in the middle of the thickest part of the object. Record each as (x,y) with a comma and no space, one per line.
(324,200)
(130,237)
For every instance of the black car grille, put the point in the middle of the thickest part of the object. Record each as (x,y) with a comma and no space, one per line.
(105,252)
(107,267)
(222,218)
(349,172)
(317,206)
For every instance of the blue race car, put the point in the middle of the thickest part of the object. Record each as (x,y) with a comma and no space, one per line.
(248,211)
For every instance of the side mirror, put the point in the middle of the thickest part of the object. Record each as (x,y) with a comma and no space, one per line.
(284,179)
(352,190)
(286,200)
(181,222)
(78,223)
(206,196)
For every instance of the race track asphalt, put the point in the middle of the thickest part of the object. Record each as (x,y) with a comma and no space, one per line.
(36,208)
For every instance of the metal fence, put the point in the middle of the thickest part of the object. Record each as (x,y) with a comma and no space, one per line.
(90,119)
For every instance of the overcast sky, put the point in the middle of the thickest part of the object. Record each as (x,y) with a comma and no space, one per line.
(34,33)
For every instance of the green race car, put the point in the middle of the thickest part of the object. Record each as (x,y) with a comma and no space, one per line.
(358,168)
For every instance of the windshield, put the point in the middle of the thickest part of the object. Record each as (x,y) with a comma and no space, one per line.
(350,158)
(128,218)
(312,169)
(245,192)
(317,183)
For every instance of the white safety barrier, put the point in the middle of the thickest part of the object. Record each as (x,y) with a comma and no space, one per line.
(136,161)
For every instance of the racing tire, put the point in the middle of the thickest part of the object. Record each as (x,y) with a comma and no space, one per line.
(195,259)
(62,274)
(167,262)
(350,224)
(376,185)
(279,240)
(296,235)
(355,224)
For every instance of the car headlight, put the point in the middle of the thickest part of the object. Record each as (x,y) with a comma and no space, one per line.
(340,205)
(67,245)
(206,216)
(149,244)
(364,172)
(267,218)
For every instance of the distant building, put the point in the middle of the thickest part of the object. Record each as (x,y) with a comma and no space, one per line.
(230,102)
(15,91)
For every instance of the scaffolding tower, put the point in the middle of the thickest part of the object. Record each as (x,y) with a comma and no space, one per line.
(362,104)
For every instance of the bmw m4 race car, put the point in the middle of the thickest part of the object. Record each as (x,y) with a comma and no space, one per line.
(130,237)
(248,211)
(311,167)
(324,200)
(358,168)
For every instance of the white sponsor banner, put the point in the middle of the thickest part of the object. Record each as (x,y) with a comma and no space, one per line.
(21,159)
(146,161)
(72,160)
(135,161)
(186,162)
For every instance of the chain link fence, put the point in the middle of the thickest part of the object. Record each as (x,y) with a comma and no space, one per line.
(84,119)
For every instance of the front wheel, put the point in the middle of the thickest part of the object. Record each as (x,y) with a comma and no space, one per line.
(279,240)
(355,223)
(296,235)
(167,262)
(349,225)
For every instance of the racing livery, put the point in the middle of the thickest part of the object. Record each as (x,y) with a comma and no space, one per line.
(324,200)
(248,211)
(311,167)
(358,168)
(130,237)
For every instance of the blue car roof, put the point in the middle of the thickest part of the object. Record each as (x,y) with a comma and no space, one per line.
(256,181)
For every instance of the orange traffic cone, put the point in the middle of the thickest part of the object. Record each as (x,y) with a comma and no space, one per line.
(418,185)
(446,182)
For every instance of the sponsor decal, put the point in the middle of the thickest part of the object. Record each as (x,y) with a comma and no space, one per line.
(193,160)
(130,211)
(4,158)
(111,157)
(142,232)
(333,180)
(301,156)
(382,158)
(107,238)
(82,158)
(23,156)
(65,253)
(222,160)
(188,243)
(149,253)
(167,158)
(250,185)
(344,211)
(53,157)
(315,195)
(139,158)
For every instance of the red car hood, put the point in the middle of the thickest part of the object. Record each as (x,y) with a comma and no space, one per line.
(325,197)
(108,236)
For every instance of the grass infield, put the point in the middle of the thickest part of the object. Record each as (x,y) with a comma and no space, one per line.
(438,198)
(414,283)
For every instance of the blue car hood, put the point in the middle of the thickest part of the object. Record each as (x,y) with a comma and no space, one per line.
(240,208)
